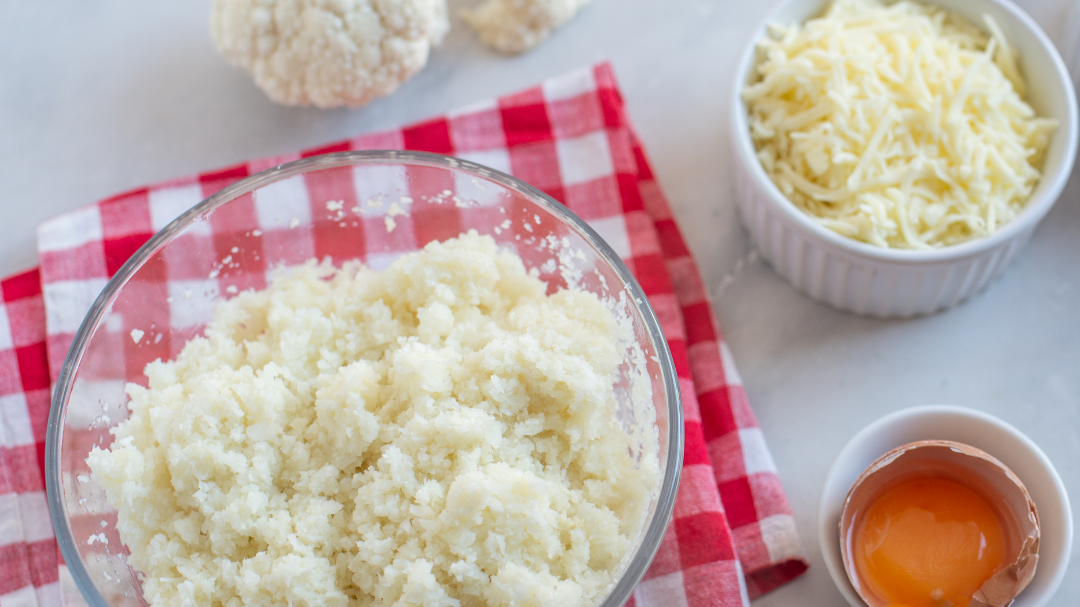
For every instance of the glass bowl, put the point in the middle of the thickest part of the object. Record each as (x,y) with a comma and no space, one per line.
(371,206)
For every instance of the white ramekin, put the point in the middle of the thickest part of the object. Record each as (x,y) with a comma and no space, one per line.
(982,431)
(866,279)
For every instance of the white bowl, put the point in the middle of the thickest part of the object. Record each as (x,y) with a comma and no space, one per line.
(865,279)
(975,428)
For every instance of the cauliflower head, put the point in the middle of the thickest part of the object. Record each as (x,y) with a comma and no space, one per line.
(515,26)
(328,53)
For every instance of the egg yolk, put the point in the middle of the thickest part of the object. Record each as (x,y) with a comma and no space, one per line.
(928,542)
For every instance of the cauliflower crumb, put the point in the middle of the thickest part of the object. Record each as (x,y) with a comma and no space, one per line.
(441,433)
(328,53)
(515,26)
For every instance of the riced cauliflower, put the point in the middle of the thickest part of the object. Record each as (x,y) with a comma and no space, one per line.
(515,26)
(442,433)
(328,53)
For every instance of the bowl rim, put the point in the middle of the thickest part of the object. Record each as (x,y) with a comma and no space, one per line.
(1033,212)
(833,493)
(651,535)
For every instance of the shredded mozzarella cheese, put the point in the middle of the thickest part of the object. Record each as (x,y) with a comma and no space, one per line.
(902,125)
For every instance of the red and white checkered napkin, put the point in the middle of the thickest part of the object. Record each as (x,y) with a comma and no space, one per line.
(733,536)
(28,573)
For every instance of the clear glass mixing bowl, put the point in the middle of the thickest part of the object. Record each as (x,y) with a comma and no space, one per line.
(371,206)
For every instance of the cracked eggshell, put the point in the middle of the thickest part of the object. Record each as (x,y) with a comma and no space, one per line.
(967,465)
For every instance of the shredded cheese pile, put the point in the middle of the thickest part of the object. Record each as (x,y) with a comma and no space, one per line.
(902,126)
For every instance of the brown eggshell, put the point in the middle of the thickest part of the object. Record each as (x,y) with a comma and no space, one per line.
(973,468)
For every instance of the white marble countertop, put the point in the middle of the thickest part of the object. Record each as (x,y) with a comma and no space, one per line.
(99,96)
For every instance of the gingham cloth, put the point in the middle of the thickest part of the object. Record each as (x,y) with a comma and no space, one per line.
(28,571)
(732,537)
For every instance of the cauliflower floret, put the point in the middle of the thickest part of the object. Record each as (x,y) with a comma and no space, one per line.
(328,53)
(515,26)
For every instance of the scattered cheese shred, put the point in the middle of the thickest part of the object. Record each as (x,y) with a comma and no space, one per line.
(902,125)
